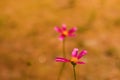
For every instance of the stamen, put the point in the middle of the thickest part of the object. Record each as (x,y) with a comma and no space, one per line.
(74,59)
(65,33)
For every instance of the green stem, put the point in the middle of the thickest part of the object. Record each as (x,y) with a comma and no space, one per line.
(74,72)
(63,46)
(63,65)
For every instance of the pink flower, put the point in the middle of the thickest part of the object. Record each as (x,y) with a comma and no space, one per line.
(75,57)
(64,32)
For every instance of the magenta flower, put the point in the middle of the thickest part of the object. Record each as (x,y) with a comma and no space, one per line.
(64,32)
(75,57)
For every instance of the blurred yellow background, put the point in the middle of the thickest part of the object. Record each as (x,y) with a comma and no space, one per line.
(29,44)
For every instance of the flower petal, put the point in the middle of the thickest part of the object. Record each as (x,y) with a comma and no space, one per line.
(57,29)
(58,59)
(64,27)
(80,62)
(72,30)
(71,35)
(61,37)
(82,53)
(75,52)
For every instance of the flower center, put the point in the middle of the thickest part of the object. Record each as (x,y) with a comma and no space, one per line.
(74,59)
(65,33)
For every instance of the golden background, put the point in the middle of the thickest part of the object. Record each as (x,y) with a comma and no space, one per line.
(29,44)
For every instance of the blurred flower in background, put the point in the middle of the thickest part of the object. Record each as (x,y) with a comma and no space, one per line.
(64,32)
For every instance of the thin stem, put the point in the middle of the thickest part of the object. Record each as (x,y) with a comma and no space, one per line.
(74,72)
(61,71)
(63,65)
(63,46)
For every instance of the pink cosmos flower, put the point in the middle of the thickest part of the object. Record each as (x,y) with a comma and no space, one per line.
(64,32)
(75,57)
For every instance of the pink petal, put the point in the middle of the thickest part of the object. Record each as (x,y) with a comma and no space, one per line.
(82,53)
(75,52)
(61,37)
(72,30)
(80,62)
(57,29)
(58,59)
(64,27)
(71,35)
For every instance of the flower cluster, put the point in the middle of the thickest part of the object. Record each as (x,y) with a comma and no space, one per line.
(76,55)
